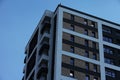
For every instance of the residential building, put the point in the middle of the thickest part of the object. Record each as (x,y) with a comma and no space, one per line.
(68,44)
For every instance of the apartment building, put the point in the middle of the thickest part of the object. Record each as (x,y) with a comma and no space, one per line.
(68,44)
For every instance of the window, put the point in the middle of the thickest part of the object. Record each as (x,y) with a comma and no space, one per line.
(118,41)
(94,56)
(93,34)
(86,32)
(85,21)
(92,24)
(110,73)
(72,61)
(108,50)
(87,77)
(109,61)
(108,39)
(118,33)
(94,45)
(86,54)
(71,73)
(72,49)
(87,66)
(95,68)
(72,17)
(86,42)
(72,38)
(119,62)
(72,27)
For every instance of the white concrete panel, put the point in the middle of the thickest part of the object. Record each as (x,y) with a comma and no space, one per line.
(112,67)
(81,57)
(101,54)
(80,35)
(58,46)
(111,44)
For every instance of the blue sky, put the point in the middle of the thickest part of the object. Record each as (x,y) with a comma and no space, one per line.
(18,19)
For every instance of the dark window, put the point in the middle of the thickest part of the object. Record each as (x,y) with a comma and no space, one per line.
(86,42)
(95,68)
(87,66)
(118,41)
(72,49)
(94,56)
(85,21)
(86,54)
(108,39)
(118,33)
(72,27)
(71,73)
(93,34)
(72,17)
(108,50)
(110,73)
(86,32)
(87,77)
(94,45)
(92,24)
(72,61)
(119,62)
(109,61)
(72,38)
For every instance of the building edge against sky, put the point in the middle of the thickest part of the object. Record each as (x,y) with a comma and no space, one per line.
(71,45)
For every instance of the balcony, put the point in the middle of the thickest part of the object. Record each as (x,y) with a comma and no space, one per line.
(46,25)
(42,68)
(24,68)
(44,37)
(33,43)
(44,48)
(43,57)
(31,64)
(23,78)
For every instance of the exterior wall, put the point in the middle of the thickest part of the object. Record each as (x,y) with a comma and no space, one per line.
(77,50)
(80,64)
(99,46)
(67,15)
(79,29)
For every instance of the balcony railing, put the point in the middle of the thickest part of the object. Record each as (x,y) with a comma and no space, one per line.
(45,27)
(42,57)
(42,69)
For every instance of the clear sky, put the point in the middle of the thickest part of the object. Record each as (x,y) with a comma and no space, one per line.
(18,19)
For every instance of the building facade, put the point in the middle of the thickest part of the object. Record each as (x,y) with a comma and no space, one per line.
(71,45)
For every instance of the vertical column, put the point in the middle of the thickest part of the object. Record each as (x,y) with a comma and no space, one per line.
(101,53)
(58,45)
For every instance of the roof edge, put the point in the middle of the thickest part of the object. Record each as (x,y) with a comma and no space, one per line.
(60,5)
